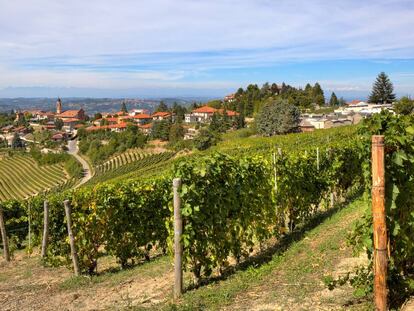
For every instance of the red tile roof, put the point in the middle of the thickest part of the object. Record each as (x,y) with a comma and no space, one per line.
(69,120)
(120,113)
(230,113)
(105,127)
(69,114)
(161,114)
(59,135)
(125,117)
(355,101)
(142,116)
(117,126)
(211,110)
(205,109)
(112,119)
(145,126)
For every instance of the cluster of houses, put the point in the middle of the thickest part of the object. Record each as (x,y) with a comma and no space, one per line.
(46,119)
(352,113)
(119,121)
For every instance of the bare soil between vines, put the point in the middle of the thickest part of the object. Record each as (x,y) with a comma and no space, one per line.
(292,280)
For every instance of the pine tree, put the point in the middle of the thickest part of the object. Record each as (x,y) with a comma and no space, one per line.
(318,96)
(334,100)
(308,89)
(382,90)
(162,107)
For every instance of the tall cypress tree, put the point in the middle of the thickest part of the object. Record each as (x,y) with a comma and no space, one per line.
(334,100)
(382,90)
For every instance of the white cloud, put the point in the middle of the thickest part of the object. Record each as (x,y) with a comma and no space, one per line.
(113,42)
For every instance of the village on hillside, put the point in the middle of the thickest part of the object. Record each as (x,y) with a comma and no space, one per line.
(56,127)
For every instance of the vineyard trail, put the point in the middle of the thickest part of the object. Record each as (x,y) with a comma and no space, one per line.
(280,283)
(74,150)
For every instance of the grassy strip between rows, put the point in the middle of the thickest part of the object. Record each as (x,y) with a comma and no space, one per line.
(309,257)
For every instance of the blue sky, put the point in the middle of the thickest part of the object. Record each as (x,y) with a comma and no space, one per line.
(201,48)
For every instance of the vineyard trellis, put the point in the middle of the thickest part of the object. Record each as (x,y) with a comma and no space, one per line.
(229,204)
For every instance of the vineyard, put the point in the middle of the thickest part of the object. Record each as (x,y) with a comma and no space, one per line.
(129,164)
(21,177)
(234,198)
(246,185)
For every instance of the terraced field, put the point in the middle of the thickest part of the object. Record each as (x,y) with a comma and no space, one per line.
(128,164)
(22,177)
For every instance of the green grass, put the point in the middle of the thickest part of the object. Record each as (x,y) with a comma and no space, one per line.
(287,276)
(21,177)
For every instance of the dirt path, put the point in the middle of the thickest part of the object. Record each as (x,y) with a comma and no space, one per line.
(73,149)
(409,306)
(26,285)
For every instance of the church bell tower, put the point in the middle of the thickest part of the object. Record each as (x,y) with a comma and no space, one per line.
(58,106)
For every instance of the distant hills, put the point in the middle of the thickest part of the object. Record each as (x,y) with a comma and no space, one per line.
(90,105)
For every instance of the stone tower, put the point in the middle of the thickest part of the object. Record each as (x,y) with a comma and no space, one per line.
(58,106)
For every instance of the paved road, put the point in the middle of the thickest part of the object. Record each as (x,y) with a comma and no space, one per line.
(73,149)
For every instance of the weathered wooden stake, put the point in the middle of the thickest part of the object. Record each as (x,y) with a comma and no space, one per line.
(379,222)
(178,248)
(4,238)
(68,211)
(29,218)
(317,158)
(275,170)
(45,239)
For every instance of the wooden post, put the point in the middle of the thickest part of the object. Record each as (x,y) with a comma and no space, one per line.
(30,228)
(317,158)
(45,239)
(68,211)
(4,238)
(379,223)
(275,171)
(178,248)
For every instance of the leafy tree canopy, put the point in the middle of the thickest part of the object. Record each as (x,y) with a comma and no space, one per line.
(404,106)
(278,117)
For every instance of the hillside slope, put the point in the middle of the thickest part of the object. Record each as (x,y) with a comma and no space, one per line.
(22,177)
(288,276)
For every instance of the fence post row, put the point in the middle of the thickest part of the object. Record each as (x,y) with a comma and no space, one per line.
(45,239)
(68,211)
(379,223)
(178,248)
(4,238)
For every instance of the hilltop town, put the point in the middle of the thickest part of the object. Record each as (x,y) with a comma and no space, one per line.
(52,128)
